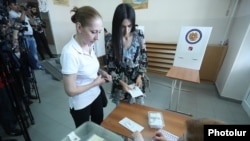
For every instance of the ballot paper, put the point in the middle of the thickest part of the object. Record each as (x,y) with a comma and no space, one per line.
(135,91)
(169,136)
(73,137)
(95,137)
(131,125)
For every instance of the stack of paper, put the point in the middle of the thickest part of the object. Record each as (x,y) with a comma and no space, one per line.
(155,120)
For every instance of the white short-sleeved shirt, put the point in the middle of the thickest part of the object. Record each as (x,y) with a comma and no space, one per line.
(75,61)
(14,15)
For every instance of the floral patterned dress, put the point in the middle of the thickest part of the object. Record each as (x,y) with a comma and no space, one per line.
(134,63)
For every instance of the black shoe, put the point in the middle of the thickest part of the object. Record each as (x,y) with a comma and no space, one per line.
(30,102)
(15,132)
(32,97)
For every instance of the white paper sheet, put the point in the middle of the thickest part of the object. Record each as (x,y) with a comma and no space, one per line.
(169,136)
(95,137)
(135,91)
(131,125)
(73,137)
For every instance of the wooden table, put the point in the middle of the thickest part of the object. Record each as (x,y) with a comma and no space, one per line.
(174,122)
(184,74)
(181,74)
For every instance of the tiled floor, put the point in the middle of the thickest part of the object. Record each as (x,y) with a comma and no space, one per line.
(53,121)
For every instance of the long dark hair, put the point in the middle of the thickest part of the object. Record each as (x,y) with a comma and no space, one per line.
(122,11)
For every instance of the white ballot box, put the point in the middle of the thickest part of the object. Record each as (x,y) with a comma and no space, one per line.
(89,131)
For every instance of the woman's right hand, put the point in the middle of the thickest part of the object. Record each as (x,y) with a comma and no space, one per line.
(158,136)
(125,86)
(99,80)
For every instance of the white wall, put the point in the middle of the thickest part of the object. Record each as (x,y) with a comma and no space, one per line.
(233,79)
(162,19)
(61,25)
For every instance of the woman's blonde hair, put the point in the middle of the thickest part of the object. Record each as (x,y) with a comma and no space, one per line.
(84,15)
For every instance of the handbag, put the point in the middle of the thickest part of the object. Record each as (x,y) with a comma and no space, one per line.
(104,97)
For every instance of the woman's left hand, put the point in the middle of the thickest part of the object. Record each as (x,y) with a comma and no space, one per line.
(138,81)
(106,76)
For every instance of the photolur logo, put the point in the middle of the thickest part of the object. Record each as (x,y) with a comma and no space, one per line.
(226,132)
(214,132)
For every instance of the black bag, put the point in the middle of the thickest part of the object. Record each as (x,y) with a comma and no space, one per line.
(104,97)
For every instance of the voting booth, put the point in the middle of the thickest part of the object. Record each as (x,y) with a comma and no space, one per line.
(189,54)
(191,46)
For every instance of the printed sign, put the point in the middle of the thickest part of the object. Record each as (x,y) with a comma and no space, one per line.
(191,47)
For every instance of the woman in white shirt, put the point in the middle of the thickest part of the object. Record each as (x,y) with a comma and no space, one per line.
(80,67)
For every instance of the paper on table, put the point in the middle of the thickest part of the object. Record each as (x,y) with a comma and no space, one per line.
(131,125)
(155,119)
(169,136)
(135,91)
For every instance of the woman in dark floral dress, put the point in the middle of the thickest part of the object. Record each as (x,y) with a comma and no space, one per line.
(126,55)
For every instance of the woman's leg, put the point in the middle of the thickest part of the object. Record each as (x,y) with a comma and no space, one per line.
(97,110)
(80,116)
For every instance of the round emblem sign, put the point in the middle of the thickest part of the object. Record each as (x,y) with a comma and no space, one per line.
(193,36)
